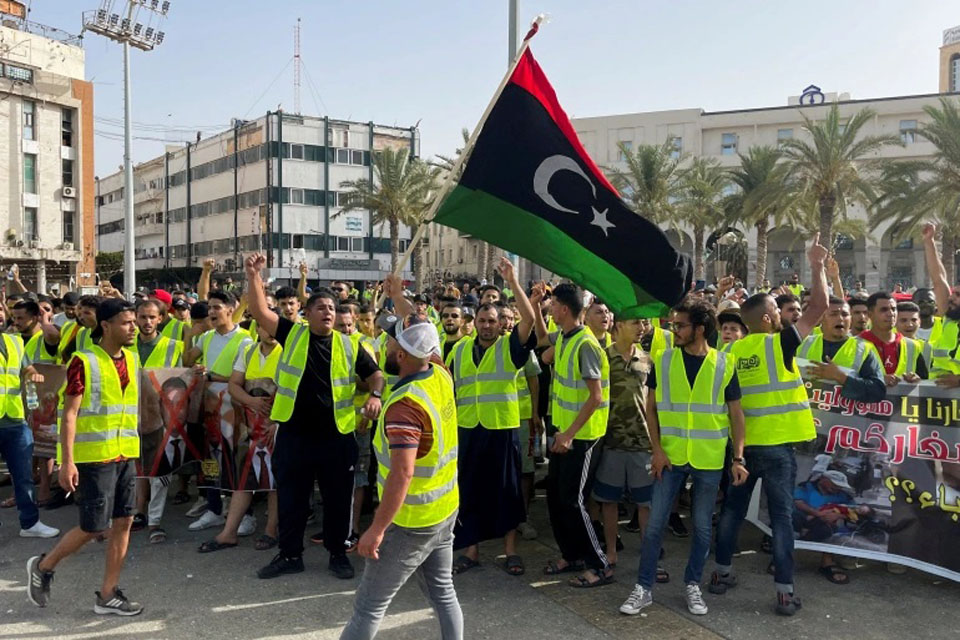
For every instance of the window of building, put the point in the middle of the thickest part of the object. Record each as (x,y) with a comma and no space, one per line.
(356,244)
(908,131)
(343,156)
(19,74)
(955,73)
(30,223)
(843,242)
(676,143)
(29,173)
(68,226)
(296,151)
(29,118)
(296,196)
(356,157)
(625,147)
(343,244)
(66,127)
(67,172)
(783,135)
(728,144)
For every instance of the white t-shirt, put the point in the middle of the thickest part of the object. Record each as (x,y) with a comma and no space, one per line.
(219,341)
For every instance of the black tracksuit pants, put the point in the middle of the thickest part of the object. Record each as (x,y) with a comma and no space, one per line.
(300,456)
(569,482)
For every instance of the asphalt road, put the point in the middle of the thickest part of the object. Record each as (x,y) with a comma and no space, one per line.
(189,595)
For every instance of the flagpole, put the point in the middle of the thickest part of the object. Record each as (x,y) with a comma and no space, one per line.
(450,179)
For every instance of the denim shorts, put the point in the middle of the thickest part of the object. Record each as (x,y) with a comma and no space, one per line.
(106,490)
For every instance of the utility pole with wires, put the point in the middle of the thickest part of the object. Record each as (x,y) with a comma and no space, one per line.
(297,61)
(137,24)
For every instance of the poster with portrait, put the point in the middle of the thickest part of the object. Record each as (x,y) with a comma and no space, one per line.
(256,470)
(225,434)
(43,419)
(170,402)
(883,477)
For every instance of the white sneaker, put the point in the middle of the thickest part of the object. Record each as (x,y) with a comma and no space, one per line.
(207,520)
(695,603)
(638,600)
(527,531)
(39,530)
(248,526)
(198,508)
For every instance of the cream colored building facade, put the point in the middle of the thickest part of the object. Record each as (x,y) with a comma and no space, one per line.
(877,259)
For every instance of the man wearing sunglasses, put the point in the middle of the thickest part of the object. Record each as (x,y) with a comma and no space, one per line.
(451,321)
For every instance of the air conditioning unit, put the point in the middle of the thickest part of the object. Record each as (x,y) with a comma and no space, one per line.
(67,246)
(69,192)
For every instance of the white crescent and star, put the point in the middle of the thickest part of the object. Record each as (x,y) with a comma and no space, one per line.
(541,186)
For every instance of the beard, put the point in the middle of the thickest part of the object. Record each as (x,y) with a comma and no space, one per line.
(451,331)
(953,313)
(391,365)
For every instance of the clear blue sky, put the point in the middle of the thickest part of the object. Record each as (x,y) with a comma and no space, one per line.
(438,61)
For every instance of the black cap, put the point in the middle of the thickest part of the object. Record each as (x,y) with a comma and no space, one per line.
(107,310)
(730,316)
(469,311)
(180,303)
(199,311)
(71,298)
(388,324)
(422,299)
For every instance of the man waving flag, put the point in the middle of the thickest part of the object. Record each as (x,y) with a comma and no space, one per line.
(529,187)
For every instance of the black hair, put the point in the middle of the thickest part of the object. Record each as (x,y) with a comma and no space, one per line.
(148,301)
(701,314)
(906,305)
(31,307)
(41,297)
(857,299)
(874,298)
(786,298)
(832,300)
(487,287)
(91,302)
(71,298)
(107,310)
(489,306)
(322,293)
(223,296)
(285,292)
(344,308)
(570,296)
(920,291)
(199,311)
(754,302)
(366,307)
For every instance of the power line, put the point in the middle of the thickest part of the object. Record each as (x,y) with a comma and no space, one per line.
(269,86)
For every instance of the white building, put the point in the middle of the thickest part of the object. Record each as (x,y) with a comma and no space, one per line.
(46,155)
(273,184)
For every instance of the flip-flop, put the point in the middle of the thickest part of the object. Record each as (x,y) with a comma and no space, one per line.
(514,566)
(663,576)
(157,536)
(464,564)
(181,497)
(8,503)
(832,573)
(265,542)
(554,569)
(579,582)
(214,545)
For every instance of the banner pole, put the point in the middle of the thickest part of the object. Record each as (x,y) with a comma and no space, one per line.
(451,177)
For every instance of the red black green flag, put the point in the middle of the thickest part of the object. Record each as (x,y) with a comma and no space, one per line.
(529,187)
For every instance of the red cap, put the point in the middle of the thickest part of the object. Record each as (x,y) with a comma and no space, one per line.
(163,296)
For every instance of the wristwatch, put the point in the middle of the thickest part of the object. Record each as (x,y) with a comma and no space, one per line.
(739,461)
(376,394)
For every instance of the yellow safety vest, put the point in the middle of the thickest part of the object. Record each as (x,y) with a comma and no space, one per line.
(174,329)
(433,494)
(945,357)
(11,404)
(486,394)
(293,363)
(851,355)
(67,332)
(795,289)
(166,353)
(694,422)
(607,340)
(726,347)
(662,340)
(36,350)
(570,390)
(907,357)
(255,370)
(926,352)
(107,419)
(774,398)
(361,341)
(224,364)
(936,330)
(252,330)
(523,393)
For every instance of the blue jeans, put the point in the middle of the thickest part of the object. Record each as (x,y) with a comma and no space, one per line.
(777,465)
(705,487)
(16,447)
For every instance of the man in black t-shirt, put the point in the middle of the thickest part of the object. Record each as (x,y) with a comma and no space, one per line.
(309,445)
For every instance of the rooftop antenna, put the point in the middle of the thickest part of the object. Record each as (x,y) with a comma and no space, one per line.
(296,68)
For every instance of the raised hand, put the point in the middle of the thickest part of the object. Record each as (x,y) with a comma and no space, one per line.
(254,263)
(817,253)
(929,231)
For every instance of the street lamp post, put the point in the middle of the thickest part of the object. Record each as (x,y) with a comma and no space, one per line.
(137,27)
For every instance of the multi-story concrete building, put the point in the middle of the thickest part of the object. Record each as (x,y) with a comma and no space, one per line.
(46,173)
(271,184)
(877,259)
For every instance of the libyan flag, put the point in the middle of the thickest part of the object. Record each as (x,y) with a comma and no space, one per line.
(530,188)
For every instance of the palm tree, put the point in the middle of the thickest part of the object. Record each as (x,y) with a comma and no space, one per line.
(650,184)
(836,169)
(927,190)
(702,186)
(765,198)
(401,193)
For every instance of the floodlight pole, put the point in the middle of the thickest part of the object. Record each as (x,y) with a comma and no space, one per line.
(129,259)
